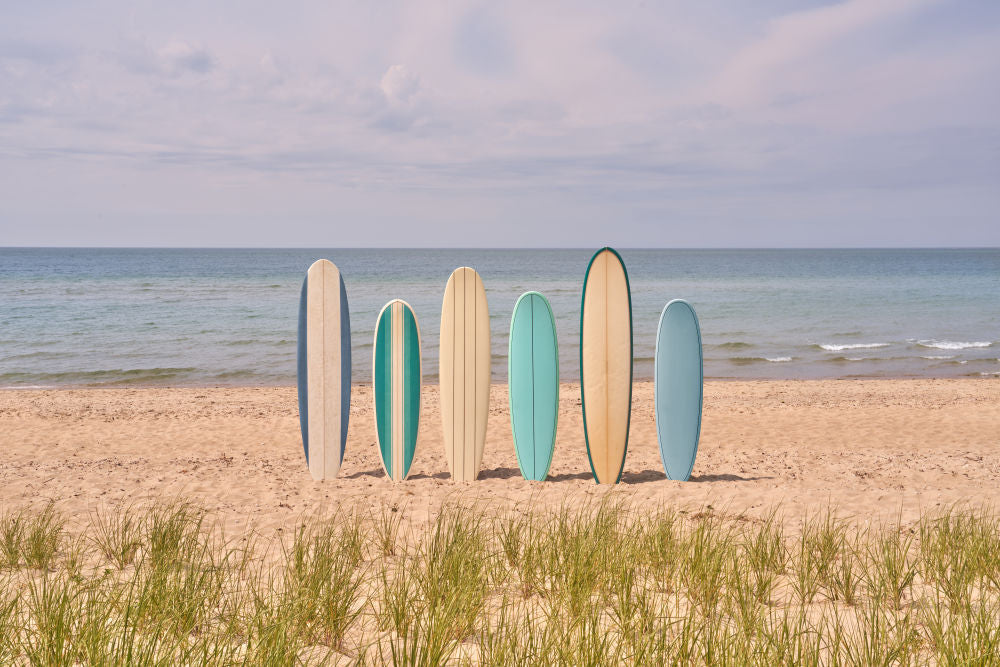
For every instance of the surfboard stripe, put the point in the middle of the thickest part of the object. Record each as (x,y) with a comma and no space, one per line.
(606,364)
(412,384)
(545,365)
(521,385)
(303,368)
(383,389)
(397,391)
(459,381)
(344,384)
(481,384)
(469,462)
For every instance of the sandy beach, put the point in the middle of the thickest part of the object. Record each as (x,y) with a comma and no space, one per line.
(872,448)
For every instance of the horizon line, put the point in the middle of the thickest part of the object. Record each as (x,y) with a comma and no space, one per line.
(588,247)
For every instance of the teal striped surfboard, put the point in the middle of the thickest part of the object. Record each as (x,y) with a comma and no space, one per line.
(533,384)
(397,387)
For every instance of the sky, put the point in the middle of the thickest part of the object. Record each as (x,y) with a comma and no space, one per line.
(770,123)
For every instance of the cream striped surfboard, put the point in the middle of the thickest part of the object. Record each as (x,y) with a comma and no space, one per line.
(464,372)
(606,364)
(324,368)
(396,374)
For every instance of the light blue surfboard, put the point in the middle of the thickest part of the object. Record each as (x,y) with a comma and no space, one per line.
(324,368)
(533,384)
(679,385)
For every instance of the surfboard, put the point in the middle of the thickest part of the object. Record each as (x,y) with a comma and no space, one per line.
(606,364)
(533,384)
(396,374)
(324,368)
(464,372)
(679,384)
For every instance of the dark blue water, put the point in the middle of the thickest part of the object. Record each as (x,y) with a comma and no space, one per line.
(194,317)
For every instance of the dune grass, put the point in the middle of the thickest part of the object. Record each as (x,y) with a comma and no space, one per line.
(588,584)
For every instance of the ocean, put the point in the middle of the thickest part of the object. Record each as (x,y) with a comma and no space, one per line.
(194,317)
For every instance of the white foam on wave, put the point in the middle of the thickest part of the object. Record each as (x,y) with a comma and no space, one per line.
(952,344)
(934,357)
(852,346)
(778,359)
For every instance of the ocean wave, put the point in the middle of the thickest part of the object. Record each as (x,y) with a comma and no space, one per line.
(743,361)
(39,354)
(240,373)
(830,347)
(100,377)
(953,345)
(937,357)
(731,345)
(740,361)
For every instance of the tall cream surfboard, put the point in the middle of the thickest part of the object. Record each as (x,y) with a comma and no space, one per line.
(324,368)
(606,364)
(464,372)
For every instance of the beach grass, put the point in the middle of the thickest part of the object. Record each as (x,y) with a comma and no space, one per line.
(591,583)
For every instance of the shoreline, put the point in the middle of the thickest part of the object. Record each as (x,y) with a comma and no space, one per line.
(871,448)
(977,377)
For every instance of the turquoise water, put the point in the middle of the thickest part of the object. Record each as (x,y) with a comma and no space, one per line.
(228,317)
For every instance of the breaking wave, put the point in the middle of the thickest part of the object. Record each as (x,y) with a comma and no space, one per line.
(953,345)
(831,347)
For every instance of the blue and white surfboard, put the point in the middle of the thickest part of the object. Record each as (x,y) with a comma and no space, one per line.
(324,368)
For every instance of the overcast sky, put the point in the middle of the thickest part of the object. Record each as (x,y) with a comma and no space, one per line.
(765,123)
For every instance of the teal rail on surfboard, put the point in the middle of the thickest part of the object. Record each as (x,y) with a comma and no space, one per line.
(533,384)
(396,366)
(679,384)
(606,364)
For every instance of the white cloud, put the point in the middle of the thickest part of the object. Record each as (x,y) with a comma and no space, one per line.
(399,84)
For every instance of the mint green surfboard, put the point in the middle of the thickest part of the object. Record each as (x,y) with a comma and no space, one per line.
(396,374)
(533,384)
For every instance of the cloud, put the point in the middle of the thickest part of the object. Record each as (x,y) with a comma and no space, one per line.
(759,72)
(644,110)
(399,85)
(180,57)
